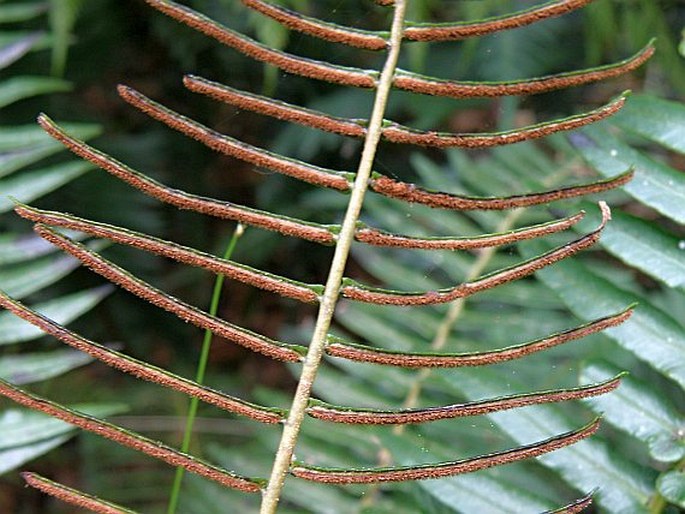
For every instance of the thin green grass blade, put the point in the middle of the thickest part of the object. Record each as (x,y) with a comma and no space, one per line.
(200,374)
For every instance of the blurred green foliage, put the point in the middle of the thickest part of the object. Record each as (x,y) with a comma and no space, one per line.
(97,44)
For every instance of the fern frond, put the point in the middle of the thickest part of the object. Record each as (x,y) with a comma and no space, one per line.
(577,506)
(411,193)
(235,148)
(376,237)
(284,286)
(414,31)
(356,291)
(372,130)
(403,80)
(418,84)
(392,132)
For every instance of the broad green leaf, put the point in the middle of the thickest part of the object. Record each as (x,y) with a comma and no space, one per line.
(671,485)
(62,310)
(27,368)
(34,184)
(655,184)
(15,160)
(659,120)
(9,38)
(650,334)
(639,410)
(25,435)
(16,12)
(27,136)
(18,88)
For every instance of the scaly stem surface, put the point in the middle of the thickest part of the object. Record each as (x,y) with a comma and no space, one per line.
(200,374)
(331,294)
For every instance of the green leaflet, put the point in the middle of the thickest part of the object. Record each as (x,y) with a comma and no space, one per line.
(12,51)
(587,465)
(34,367)
(128,438)
(481,492)
(17,88)
(672,487)
(15,247)
(641,411)
(27,144)
(12,458)
(655,184)
(21,427)
(651,334)
(34,184)
(27,136)
(22,279)
(16,12)
(63,14)
(623,486)
(647,247)
(656,119)
(26,434)
(62,310)
(39,41)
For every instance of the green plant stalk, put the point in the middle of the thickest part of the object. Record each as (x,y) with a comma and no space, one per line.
(200,374)
(291,429)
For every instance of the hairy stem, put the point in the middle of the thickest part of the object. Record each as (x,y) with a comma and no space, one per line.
(200,374)
(331,295)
